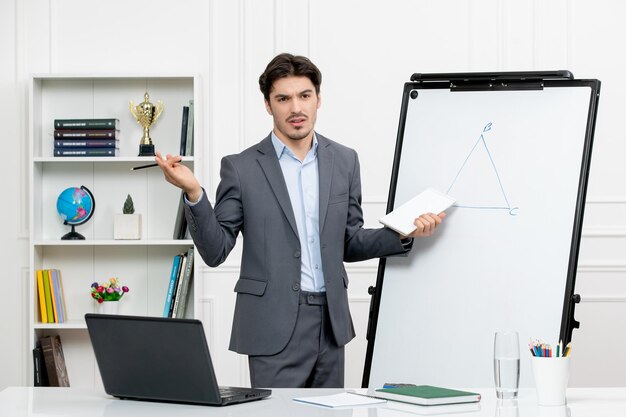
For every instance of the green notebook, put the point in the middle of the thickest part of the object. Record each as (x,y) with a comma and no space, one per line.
(427,395)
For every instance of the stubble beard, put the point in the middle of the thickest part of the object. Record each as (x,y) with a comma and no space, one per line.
(299,135)
(294,133)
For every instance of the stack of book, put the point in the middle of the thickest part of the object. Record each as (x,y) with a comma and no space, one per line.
(86,137)
(49,363)
(50,294)
(178,288)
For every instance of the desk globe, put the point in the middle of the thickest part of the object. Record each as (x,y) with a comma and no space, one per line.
(75,205)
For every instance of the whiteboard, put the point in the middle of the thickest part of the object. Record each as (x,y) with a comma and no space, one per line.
(513,161)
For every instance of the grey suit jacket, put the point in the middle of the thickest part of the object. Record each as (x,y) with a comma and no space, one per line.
(252,198)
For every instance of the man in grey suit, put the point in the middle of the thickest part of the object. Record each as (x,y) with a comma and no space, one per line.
(296,198)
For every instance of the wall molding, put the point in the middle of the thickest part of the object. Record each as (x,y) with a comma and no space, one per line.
(603,232)
(244,371)
(243,20)
(372,268)
(25,336)
(376,199)
(603,298)
(279,12)
(21,94)
(234,268)
(309,17)
(359,299)
(606,200)
(208,127)
(207,306)
(602,266)
(593,200)
(224,268)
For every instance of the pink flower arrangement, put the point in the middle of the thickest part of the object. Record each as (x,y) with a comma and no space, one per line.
(108,291)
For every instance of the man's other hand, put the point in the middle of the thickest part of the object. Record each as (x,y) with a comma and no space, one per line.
(426,224)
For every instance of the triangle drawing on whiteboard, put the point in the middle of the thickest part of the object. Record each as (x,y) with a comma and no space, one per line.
(477,183)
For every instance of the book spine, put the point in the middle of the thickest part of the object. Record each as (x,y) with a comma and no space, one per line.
(63,309)
(187,277)
(180,225)
(86,152)
(85,143)
(86,134)
(183,131)
(37,374)
(427,395)
(92,124)
(181,265)
(48,356)
(46,288)
(189,142)
(170,287)
(42,297)
(179,283)
(57,295)
(39,364)
(53,296)
(59,362)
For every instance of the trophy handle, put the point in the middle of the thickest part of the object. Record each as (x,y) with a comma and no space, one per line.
(158,109)
(133,110)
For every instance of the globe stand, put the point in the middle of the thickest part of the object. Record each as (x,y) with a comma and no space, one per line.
(72,235)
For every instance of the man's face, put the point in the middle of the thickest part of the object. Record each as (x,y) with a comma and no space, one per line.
(293,105)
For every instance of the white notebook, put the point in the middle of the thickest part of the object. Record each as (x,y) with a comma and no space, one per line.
(343,399)
(428,201)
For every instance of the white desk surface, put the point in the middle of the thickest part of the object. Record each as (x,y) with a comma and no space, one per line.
(28,401)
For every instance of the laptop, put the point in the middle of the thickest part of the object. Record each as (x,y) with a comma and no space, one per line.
(159,359)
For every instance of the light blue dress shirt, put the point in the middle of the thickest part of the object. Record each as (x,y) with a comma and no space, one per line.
(302,179)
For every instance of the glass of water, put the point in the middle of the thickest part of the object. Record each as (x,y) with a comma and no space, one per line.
(506,364)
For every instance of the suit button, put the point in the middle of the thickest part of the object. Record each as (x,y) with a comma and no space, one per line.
(296,254)
(295,287)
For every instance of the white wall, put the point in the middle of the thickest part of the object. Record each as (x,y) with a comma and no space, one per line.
(14,213)
(366,50)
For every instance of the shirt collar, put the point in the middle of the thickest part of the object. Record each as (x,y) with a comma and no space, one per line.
(281,148)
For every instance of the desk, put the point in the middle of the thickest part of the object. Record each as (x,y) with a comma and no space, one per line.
(32,402)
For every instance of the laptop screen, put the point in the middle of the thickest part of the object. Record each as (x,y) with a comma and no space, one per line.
(153,358)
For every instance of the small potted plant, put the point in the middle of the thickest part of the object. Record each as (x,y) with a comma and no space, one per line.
(128,224)
(108,294)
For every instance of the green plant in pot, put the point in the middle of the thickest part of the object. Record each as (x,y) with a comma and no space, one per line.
(128,224)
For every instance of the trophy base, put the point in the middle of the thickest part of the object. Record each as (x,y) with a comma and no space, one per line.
(146,150)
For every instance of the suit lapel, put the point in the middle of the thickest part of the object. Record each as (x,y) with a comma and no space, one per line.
(325,159)
(271,168)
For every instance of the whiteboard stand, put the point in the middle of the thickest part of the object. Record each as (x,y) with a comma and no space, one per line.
(514,150)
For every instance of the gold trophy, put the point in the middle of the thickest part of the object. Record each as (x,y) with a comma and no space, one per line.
(146,115)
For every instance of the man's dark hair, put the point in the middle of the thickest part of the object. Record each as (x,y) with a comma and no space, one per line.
(285,65)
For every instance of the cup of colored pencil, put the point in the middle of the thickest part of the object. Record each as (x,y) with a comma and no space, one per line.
(551,371)
(544,350)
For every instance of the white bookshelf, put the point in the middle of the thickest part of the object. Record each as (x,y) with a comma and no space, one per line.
(143,265)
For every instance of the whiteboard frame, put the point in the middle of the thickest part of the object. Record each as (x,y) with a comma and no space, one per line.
(495,82)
